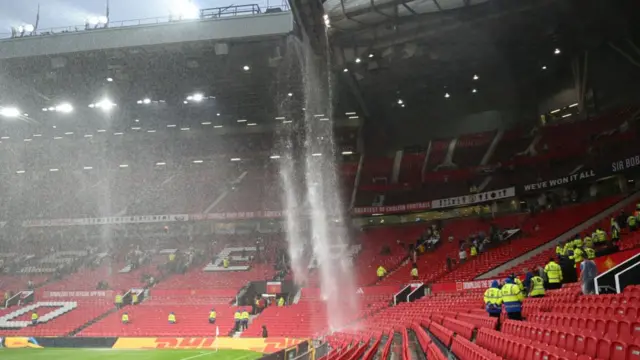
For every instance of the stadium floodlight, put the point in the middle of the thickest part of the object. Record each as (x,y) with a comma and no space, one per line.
(45,109)
(476,77)
(185,102)
(184,10)
(146,101)
(556,51)
(9,112)
(29,28)
(64,108)
(197,97)
(246,68)
(93,20)
(104,104)
(103,20)
(402,105)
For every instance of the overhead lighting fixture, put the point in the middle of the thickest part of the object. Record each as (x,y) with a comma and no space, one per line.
(4,138)
(274,157)
(88,135)
(104,104)
(573,105)
(246,68)
(252,124)
(347,153)
(197,97)
(109,79)
(69,133)
(136,128)
(171,125)
(544,67)
(161,163)
(184,128)
(20,172)
(290,94)
(9,112)
(185,102)
(206,123)
(101,130)
(476,77)
(316,154)
(358,60)
(287,121)
(37,135)
(53,170)
(117,134)
(198,161)
(446,95)
(554,111)
(402,105)
(400,102)
(217,114)
(280,118)
(350,113)
(556,51)
(345,70)
(217,126)
(27,140)
(151,131)
(146,101)
(242,120)
(57,137)
(88,168)
(235,159)
(370,55)
(474,91)
(124,165)
(324,119)
(566,115)
(353,117)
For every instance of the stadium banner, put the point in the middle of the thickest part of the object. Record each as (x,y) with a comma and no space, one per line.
(139,219)
(391,209)
(76,342)
(261,345)
(462,286)
(78,294)
(230,293)
(15,342)
(473,199)
(573,178)
(627,163)
(274,287)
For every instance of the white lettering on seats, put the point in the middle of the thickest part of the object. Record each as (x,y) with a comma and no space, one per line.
(62,307)
(227,253)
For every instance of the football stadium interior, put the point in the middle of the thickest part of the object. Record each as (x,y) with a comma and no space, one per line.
(335,180)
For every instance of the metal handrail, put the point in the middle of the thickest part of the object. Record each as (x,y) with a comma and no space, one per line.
(205,14)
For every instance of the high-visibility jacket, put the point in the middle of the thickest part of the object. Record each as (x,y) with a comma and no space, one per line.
(281,302)
(578,255)
(34,316)
(493,300)
(118,299)
(588,242)
(225,263)
(134,299)
(172,318)
(172,257)
(512,297)
(518,282)
(591,254)
(560,250)
(125,318)
(212,315)
(631,220)
(554,272)
(381,271)
(602,236)
(245,315)
(615,234)
(237,316)
(537,286)
(414,272)
(577,243)
(474,251)
(568,246)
